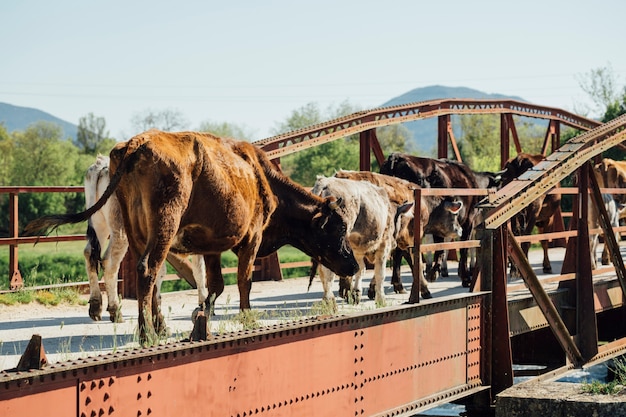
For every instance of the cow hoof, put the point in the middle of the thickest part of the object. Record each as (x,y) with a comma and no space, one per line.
(95,309)
(196,312)
(431,276)
(427,295)
(399,289)
(444,273)
(116,316)
(371,293)
(466,283)
(547,269)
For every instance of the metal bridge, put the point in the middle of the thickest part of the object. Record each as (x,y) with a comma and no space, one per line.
(392,361)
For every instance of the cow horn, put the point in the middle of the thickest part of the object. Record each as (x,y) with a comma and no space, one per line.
(334,205)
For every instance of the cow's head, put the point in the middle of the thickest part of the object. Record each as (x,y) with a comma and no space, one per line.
(516,167)
(328,242)
(444,219)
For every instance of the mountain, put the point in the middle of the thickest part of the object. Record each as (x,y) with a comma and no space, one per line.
(425,131)
(18,118)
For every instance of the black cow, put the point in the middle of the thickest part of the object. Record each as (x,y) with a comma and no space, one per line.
(438,173)
(541,212)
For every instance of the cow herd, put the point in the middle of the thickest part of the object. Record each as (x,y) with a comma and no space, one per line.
(169,195)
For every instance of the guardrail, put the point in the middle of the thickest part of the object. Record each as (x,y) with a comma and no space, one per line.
(14,240)
(16,281)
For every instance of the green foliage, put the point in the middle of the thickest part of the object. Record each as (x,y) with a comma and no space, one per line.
(51,297)
(393,138)
(226,130)
(479,142)
(46,269)
(167,120)
(304,166)
(613,387)
(92,137)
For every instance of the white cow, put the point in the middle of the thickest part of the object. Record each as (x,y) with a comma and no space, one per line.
(106,224)
(370,221)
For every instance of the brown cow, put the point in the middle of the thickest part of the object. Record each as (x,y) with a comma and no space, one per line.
(438,173)
(540,213)
(433,218)
(194,193)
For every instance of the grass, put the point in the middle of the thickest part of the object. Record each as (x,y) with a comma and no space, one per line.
(612,387)
(50,297)
(63,262)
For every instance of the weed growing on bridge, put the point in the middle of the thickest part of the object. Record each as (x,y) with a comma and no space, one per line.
(612,387)
(52,297)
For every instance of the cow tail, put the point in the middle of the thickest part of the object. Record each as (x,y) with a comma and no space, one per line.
(95,260)
(47,224)
(314,265)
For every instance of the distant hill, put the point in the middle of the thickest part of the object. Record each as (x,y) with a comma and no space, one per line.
(18,118)
(425,131)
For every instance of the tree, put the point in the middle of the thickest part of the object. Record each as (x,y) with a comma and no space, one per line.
(225,129)
(92,137)
(600,84)
(43,157)
(393,138)
(6,155)
(167,120)
(304,166)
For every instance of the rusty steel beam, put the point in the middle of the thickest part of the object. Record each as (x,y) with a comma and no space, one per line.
(609,235)
(543,301)
(586,326)
(308,137)
(328,366)
(518,194)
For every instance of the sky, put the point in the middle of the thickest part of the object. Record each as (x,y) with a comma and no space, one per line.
(252,63)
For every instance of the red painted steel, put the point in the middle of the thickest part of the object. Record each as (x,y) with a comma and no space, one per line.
(364,364)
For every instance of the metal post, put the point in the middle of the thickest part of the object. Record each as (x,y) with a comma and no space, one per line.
(414,297)
(15,277)
(501,354)
(442,136)
(364,151)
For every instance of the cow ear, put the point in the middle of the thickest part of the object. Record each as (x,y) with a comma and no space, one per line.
(335,204)
(404,208)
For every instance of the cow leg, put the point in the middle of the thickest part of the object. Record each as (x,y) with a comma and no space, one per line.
(215,280)
(593,246)
(398,287)
(547,267)
(199,276)
(327,277)
(345,286)
(379,275)
(605,253)
(118,245)
(148,322)
(92,260)
(396,274)
(357,279)
(246,254)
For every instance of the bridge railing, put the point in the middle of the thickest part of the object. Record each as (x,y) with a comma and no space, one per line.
(14,240)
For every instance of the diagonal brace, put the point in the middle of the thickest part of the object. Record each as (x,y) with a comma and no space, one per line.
(543,301)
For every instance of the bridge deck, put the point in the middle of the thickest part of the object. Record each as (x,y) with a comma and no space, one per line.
(68,333)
